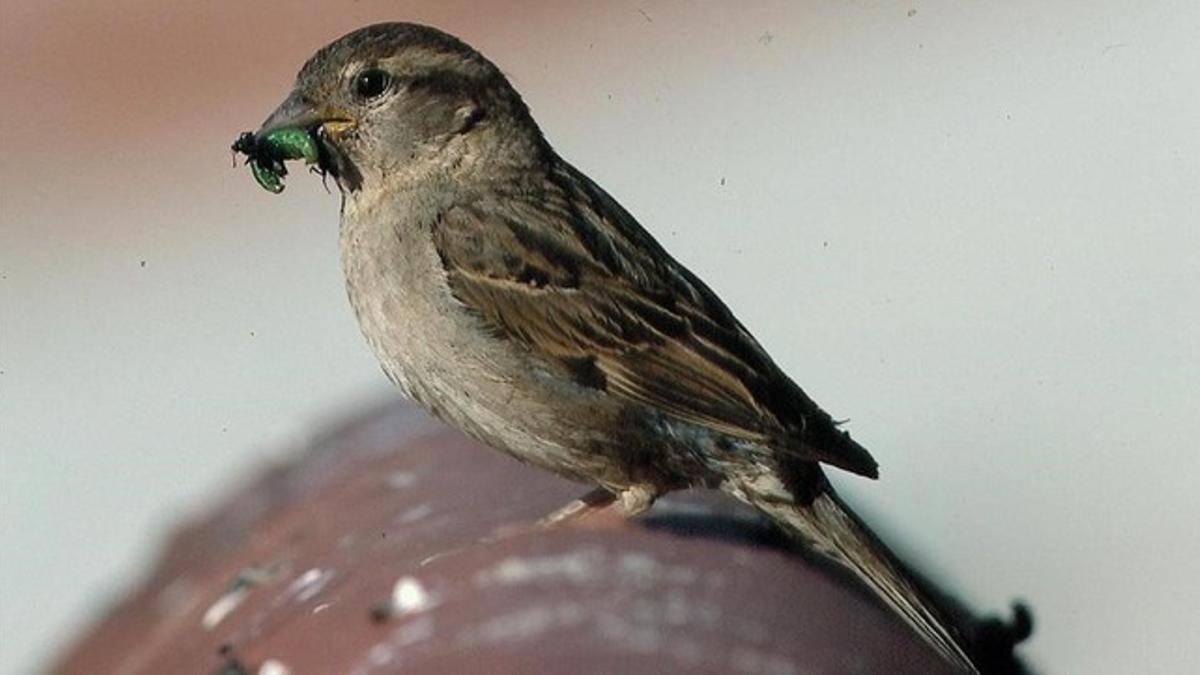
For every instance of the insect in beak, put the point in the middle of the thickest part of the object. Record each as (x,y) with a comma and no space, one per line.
(266,153)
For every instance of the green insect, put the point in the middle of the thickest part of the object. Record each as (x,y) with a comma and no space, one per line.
(266,155)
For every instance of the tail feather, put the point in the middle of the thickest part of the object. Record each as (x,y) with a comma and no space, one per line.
(828,527)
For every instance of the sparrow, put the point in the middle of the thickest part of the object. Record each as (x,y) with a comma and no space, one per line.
(509,294)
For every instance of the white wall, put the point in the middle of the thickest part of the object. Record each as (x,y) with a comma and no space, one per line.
(970,228)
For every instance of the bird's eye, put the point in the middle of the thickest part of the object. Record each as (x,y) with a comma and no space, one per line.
(371,83)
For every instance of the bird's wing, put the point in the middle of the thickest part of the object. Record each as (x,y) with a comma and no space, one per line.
(561,268)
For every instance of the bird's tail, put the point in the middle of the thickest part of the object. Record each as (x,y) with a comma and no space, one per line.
(828,527)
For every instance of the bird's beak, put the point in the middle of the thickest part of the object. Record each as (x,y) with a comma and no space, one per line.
(297,112)
(327,125)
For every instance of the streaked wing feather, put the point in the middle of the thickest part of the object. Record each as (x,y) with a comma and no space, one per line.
(638,363)
(563,269)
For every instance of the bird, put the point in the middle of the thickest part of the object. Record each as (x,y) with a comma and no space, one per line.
(513,297)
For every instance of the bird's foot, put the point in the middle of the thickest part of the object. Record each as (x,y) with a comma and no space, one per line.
(636,500)
(630,502)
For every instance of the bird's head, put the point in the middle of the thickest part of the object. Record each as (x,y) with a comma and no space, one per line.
(397,101)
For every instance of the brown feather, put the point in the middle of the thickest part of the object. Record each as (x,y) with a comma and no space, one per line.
(560,267)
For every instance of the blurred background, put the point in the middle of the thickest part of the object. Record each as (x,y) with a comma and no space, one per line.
(972,229)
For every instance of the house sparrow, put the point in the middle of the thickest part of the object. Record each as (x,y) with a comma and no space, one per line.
(506,292)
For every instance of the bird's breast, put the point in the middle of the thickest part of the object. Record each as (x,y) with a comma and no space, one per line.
(398,290)
(436,351)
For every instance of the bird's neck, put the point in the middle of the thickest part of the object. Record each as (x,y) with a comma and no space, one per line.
(442,174)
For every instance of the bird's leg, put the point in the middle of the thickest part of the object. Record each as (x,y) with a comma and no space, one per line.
(636,499)
(630,502)
(595,500)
